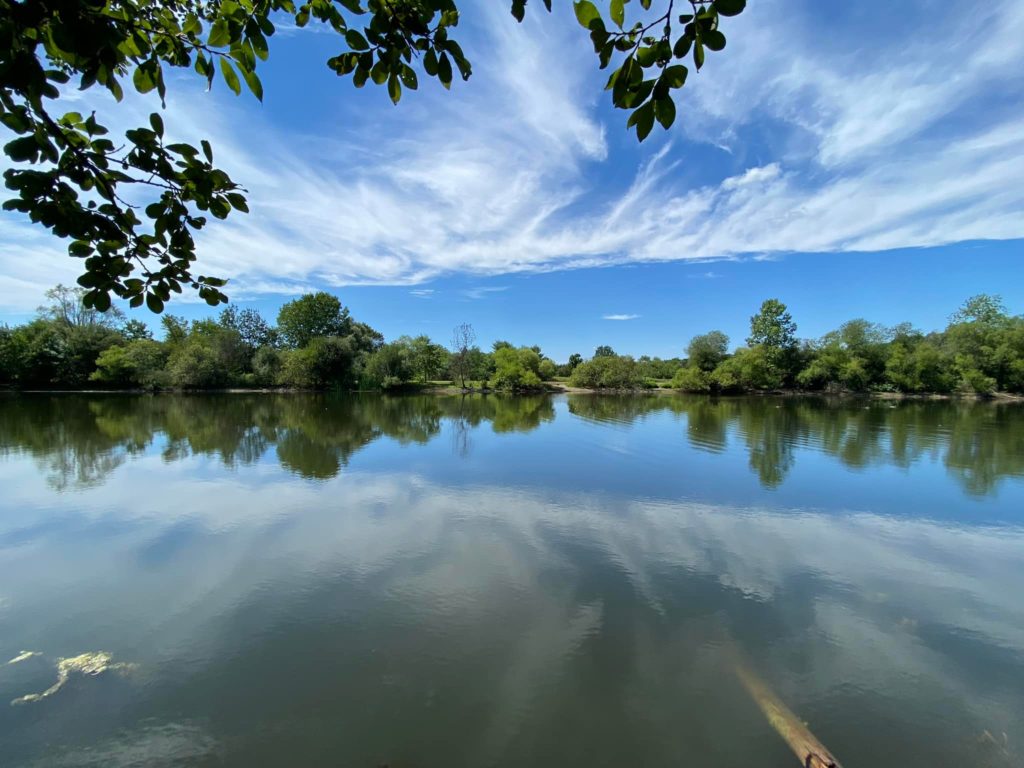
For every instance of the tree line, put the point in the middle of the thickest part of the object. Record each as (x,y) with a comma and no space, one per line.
(315,343)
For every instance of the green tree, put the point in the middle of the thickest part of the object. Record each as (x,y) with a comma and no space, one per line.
(574,359)
(547,369)
(706,351)
(919,366)
(266,366)
(326,362)
(313,316)
(135,330)
(604,351)
(979,340)
(608,372)
(253,329)
(75,180)
(391,366)
(196,365)
(983,308)
(137,363)
(516,369)
(428,360)
(176,329)
(772,327)
(691,379)
(748,368)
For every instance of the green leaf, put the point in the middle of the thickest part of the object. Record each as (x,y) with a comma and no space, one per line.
(230,77)
(155,303)
(444,71)
(665,111)
(675,75)
(698,55)
(646,56)
(729,7)
(379,73)
(618,12)
(238,202)
(259,46)
(586,13)
(682,46)
(15,121)
(714,40)
(430,63)
(253,81)
(157,122)
(518,9)
(394,89)
(356,41)
(643,119)
(22,149)
(219,34)
(207,150)
(143,80)
(408,76)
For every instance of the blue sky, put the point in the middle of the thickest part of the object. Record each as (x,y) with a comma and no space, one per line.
(848,165)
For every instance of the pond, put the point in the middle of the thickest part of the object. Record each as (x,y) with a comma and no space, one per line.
(445,581)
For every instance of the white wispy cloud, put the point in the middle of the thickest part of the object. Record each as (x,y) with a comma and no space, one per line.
(482,291)
(422,293)
(874,142)
(619,317)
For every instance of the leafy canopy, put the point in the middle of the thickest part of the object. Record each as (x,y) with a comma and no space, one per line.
(311,316)
(773,326)
(131,208)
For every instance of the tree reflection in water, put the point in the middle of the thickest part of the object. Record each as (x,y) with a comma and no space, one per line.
(78,440)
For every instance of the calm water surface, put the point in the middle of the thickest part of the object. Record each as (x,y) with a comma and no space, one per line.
(420,582)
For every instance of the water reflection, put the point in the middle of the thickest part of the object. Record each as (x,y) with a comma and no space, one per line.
(980,443)
(449,582)
(79,440)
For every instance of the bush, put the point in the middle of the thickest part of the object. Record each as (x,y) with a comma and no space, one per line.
(516,370)
(389,367)
(749,368)
(266,366)
(608,372)
(548,370)
(975,381)
(196,365)
(138,363)
(325,362)
(691,380)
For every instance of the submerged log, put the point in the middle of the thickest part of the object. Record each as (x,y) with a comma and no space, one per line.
(811,752)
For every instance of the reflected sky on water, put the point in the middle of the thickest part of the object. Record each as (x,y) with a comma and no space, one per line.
(446,581)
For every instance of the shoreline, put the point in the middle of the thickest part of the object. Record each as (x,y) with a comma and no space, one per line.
(550,389)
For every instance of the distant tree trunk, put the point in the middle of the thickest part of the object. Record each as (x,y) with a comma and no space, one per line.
(463,338)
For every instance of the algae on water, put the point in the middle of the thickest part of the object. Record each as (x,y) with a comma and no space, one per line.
(91,664)
(24,656)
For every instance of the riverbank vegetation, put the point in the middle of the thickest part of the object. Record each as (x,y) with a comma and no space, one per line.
(315,343)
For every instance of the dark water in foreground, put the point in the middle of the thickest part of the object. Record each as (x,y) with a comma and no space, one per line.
(416,582)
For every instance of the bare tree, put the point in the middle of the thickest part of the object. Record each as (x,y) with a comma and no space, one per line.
(463,339)
(66,306)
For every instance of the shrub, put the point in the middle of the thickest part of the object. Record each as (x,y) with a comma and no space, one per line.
(691,380)
(516,369)
(608,372)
